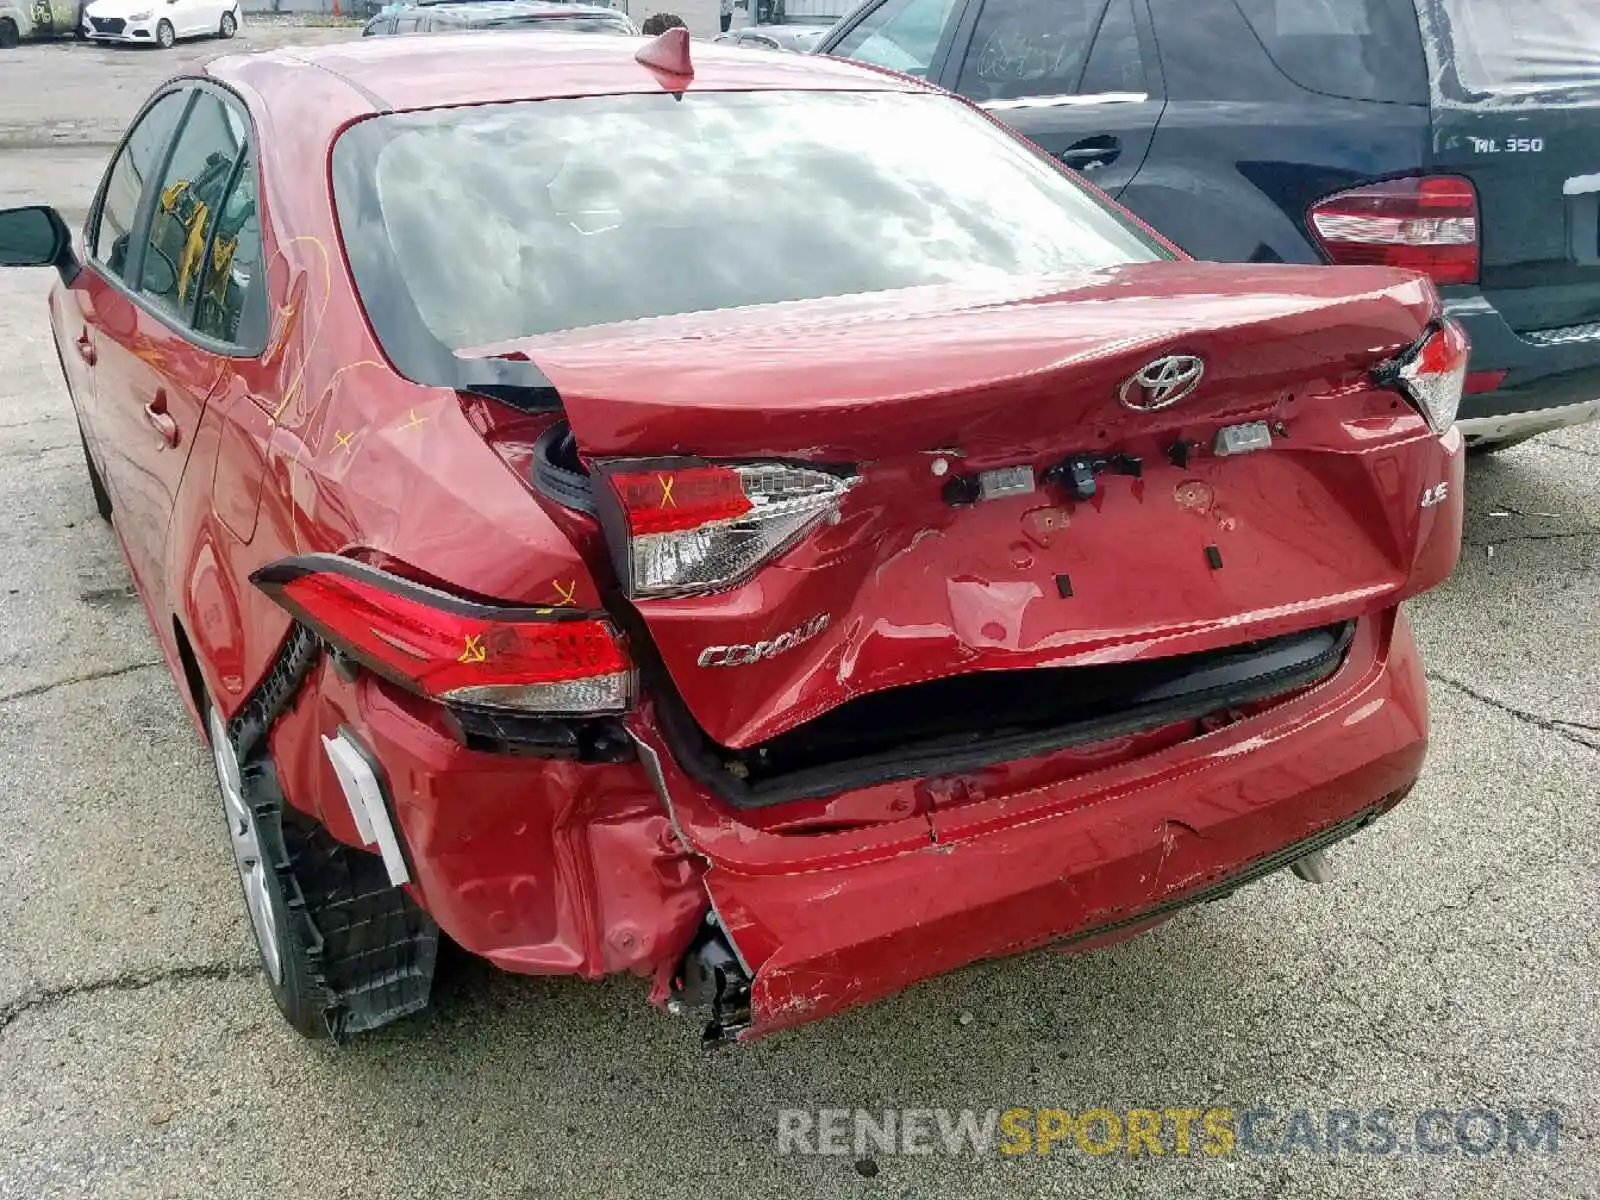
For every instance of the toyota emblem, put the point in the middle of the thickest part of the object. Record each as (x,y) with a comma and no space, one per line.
(1162,383)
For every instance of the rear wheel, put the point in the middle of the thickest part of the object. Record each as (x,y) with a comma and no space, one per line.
(255,836)
(229,26)
(164,35)
(8,33)
(343,947)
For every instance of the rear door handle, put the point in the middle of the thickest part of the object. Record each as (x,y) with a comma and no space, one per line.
(86,348)
(160,420)
(1092,152)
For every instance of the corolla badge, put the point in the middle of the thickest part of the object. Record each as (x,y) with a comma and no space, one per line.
(750,652)
(1162,383)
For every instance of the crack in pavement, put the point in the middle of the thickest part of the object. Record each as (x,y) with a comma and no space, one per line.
(44,420)
(126,981)
(1535,537)
(1562,729)
(87,677)
(28,451)
(1573,449)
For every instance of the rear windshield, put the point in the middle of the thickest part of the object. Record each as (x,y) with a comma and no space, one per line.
(1516,47)
(479,225)
(1358,49)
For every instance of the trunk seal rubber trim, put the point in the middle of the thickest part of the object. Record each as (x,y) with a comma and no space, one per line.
(688,743)
(570,489)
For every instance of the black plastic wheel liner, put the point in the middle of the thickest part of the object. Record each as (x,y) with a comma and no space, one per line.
(372,947)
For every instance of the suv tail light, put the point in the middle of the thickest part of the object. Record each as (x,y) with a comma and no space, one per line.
(690,527)
(1428,224)
(1433,373)
(532,660)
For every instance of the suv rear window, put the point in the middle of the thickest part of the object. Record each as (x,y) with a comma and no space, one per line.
(1357,49)
(475,226)
(566,24)
(1511,47)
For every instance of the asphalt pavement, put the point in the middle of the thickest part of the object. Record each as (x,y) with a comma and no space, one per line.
(1452,964)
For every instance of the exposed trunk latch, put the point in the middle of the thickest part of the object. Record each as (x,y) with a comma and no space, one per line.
(1078,471)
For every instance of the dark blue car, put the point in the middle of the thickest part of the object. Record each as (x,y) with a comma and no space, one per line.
(1456,137)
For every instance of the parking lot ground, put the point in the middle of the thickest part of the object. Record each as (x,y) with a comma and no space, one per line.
(1453,963)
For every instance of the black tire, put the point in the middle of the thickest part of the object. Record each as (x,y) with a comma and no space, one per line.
(228,27)
(287,960)
(102,498)
(8,34)
(165,36)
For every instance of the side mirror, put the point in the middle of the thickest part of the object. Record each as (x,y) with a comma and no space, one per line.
(37,237)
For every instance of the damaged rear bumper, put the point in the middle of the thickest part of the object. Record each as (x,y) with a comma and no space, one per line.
(825,922)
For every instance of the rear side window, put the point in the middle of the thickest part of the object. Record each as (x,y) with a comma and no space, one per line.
(192,191)
(232,289)
(1513,47)
(139,160)
(1356,49)
(902,35)
(1024,48)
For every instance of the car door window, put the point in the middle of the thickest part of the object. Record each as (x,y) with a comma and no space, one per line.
(899,34)
(1116,63)
(193,187)
(232,290)
(108,238)
(1362,49)
(1025,48)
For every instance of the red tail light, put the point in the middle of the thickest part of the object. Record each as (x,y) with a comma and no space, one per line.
(688,527)
(1433,373)
(454,650)
(1428,224)
(674,499)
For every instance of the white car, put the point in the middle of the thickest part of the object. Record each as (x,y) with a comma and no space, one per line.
(159,22)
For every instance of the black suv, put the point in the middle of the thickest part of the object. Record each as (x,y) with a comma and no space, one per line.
(1456,137)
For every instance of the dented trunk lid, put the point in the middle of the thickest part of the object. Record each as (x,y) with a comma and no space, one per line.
(919,392)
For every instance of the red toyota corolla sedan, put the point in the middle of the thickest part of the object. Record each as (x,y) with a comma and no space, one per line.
(752,522)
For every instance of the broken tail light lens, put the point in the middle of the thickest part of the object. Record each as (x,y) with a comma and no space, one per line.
(1433,374)
(540,661)
(691,527)
(1428,224)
